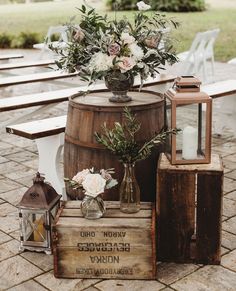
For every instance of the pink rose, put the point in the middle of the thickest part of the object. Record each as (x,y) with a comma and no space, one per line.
(79,35)
(114,49)
(126,63)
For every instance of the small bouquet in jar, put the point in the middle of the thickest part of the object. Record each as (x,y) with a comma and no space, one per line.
(93,183)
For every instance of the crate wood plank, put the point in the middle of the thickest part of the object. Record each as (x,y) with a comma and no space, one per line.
(125,264)
(175,214)
(75,222)
(121,248)
(10,56)
(38,77)
(25,64)
(109,213)
(209,215)
(39,128)
(214,166)
(106,233)
(109,204)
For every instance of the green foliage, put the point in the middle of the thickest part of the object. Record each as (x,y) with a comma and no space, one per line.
(5,40)
(90,49)
(25,40)
(178,5)
(120,140)
(120,5)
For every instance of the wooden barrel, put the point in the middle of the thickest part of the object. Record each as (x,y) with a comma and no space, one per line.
(86,114)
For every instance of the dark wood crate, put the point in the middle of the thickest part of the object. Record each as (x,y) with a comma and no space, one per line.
(189,210)
(119,245)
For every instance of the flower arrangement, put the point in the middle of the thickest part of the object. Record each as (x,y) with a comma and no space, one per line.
(93,182)
(99,46)
(120,140)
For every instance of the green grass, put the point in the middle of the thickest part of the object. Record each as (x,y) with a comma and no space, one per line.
(37,17)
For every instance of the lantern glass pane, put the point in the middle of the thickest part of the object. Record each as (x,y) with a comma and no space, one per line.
(168,125)
(202,130)
(33,227)
(187,139)
(53,212)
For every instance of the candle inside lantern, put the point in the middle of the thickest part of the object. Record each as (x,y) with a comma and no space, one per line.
(40,230)
(189,151)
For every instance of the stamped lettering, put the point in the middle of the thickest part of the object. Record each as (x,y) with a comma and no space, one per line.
(87,233)
(104,259)
(114,233)
(104,271)
(103,247)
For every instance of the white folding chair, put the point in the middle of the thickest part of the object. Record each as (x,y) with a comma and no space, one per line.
(232,62)
(60,31)
(201,51)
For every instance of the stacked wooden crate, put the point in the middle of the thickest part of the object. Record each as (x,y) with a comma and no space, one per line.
(189,211)
(118,245)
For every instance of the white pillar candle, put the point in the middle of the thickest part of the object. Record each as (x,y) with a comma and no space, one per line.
(189,151)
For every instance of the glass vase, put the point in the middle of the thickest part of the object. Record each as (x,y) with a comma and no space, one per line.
(129,190)
(92,207)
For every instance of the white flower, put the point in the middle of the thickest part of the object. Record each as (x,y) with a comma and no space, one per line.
(136,51)
(101,62)
(80,176)
(126,63)
(151,52)
(94,184)
(141,65)
(143,6)
(127,38)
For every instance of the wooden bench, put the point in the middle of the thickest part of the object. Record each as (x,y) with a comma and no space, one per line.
(38,77)
(51,98)
(7,57)
(224,108)
(20,65)
(49,133)
(49,137)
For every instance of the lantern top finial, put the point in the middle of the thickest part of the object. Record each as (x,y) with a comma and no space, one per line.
(186,89)
(38,178)
(187,83)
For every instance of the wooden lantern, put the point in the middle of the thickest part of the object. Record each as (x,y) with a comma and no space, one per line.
(37,211)
(189,109)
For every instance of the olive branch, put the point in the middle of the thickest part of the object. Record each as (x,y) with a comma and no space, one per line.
(120,140)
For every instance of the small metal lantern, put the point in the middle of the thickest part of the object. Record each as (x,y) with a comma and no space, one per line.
(189,109)
(37,211)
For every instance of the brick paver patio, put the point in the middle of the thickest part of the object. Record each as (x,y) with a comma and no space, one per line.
(34,271)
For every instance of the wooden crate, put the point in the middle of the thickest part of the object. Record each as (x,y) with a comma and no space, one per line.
(119,245)
(189,210)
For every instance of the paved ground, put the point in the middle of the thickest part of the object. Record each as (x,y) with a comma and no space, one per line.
(33,271)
